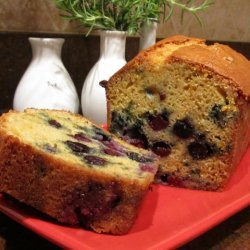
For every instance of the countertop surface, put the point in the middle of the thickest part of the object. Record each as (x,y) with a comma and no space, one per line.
(234,233)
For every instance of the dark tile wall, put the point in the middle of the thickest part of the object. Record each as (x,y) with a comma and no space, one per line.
(79,54)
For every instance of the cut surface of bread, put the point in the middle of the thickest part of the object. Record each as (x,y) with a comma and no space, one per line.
(72,170)
(188,103)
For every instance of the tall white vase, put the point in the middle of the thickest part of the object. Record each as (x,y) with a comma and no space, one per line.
(112,58)
(148,35)
(46,82)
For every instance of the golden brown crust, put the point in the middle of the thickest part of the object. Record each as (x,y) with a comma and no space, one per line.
(222,60)
(52,185)
(175,40)
(242,132)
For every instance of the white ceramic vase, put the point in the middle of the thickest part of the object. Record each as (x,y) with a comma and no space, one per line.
(148,35)
(46,82)
(112,58)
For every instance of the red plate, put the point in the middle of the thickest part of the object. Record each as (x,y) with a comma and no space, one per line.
(169,217)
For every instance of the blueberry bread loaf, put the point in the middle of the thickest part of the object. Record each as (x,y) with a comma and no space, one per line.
(72,170)
(187,102)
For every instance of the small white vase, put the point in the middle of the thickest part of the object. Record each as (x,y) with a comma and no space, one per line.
(148,35)
(112,58)
(46,82)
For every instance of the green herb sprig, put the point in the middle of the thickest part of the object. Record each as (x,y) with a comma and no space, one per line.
(124,15)
(187,6)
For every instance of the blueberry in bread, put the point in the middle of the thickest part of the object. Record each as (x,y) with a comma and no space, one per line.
(72,170)
(190,104)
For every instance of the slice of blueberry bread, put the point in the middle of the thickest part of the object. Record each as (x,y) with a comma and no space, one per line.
(72,170)
(188,103)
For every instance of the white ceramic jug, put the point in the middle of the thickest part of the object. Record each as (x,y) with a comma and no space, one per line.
(112,58)
(46,82)
(148,35)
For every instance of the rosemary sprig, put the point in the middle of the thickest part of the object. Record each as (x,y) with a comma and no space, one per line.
(124,15)
(188,6)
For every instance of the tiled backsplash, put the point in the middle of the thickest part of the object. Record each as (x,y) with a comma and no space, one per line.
(226,20)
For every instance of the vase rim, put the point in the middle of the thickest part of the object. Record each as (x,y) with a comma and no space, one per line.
(113,32)
(46,39)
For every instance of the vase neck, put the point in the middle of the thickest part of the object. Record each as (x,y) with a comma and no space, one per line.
(112,44)
(148,35)
(43,47)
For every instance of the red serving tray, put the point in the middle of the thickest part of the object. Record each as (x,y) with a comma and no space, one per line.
(169,217)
